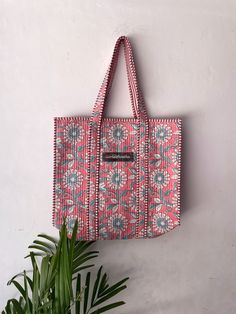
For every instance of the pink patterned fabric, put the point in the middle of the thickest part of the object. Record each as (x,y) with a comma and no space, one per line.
(120,177)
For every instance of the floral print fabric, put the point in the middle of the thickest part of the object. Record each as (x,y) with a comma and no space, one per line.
(117,210)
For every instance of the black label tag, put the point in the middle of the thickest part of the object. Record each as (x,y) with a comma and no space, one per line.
(118,156)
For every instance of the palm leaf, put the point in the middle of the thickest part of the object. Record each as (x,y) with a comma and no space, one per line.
(72,242)
(49,238)
(86,292)
(109,295)
(81,246)
(40,248)
(108,307)
(45,244)
(78,294)
(81,268)
(44,274)
(112,288)
(56,264)
(83,259)
(27,299)
(104,285)
(95,288)
(102,292)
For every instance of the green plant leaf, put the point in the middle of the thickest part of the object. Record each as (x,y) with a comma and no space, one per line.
(35,254)
(80,247)
(27,299)
(95,287)
(104,285)
(44,274)
(83,267)
(33,261)
(86,292)
(8,307)
(17,307)
(73,241)
(109,295)
(19,288)
(78,294)
(108,307)
(49,238)
(35,289)
(39,247)
(60,271)
(66,270)
(114,287)
(81,260)
(45,244)
(50,289)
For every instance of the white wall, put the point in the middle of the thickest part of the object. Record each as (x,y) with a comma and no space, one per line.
(53,57)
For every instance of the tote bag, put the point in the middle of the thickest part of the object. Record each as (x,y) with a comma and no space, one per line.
(119,177)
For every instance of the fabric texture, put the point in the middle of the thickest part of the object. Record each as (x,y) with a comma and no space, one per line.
(120,177)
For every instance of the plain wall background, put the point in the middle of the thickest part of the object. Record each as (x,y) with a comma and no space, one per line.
(53,57)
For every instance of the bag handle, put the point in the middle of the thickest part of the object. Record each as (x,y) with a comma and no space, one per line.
(111,72)
(139,110)
(95,136)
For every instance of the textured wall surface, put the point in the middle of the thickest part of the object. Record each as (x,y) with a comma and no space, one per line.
(53,57)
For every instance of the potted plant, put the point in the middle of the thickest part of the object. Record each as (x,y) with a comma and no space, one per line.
(57,284)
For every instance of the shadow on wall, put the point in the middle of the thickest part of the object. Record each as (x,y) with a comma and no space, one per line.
(159,307)
(188,196)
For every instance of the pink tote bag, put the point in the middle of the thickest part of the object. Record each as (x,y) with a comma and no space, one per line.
(120,177)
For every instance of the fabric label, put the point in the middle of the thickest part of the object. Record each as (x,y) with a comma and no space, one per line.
(118,156)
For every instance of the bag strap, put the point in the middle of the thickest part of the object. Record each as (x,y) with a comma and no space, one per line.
(139,110)
(95,137)
(108,80)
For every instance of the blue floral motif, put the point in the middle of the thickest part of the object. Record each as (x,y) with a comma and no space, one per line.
(118,133)
(117,223)
(72,179)
(73,133)
(160,178)
(161,133)
(116,178)
(162,223)
(133,201)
